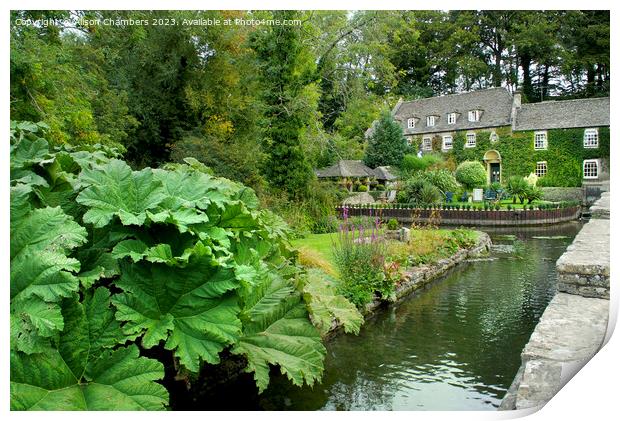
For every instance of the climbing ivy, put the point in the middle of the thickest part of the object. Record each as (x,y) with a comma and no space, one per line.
(564,156)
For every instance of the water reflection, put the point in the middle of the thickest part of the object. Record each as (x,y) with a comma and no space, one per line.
(456,346)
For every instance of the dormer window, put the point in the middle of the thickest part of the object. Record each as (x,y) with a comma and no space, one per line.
(451,118)
(471,140)
(473,115)
(430,120)
(590,138)
(411,123)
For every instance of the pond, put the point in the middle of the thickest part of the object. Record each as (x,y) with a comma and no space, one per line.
(454,346)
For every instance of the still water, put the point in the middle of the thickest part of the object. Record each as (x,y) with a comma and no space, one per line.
(454,346)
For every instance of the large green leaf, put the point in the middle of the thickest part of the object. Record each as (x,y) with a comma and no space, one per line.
(192,308)
(326,306)
(117,380)
(277,331)
(115,190)
(87,371)
(28,152)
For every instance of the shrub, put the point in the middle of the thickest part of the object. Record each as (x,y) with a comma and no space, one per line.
(533,193)
(442,179)
(471,174)
(429,194)
(392,224)
(362,188)
(380,187)
(411,163)
(361,265)
(517,188)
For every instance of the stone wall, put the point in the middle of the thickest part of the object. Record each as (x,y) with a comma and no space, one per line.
(574,325)
(562,194)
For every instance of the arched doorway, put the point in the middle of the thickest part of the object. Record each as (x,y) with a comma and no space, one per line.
(493,162)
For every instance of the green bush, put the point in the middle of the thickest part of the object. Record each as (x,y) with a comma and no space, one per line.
(533,193)
(517,187)
(442,179)
(362,188)
(471,174)
(380,187)
(411,163)
(392,224)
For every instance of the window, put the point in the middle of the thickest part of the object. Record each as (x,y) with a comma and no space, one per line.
(590,138)
(541,168)
(411,123)
(427,144)
(474,115)
(471,140)
(430,120)
(451,118)
(493,137)
(447,142)
(540,140)
(590,168)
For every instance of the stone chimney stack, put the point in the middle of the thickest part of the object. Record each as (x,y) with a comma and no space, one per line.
(516,105)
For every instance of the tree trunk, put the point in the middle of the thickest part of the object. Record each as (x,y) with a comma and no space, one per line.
(526,62)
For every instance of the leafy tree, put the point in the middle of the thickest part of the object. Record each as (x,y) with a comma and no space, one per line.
(386,145)
(287,72)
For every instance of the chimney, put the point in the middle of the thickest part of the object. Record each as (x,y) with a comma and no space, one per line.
(516,105)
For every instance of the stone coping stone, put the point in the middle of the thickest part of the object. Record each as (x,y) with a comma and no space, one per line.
(570,332)
(600,209)
(589,252)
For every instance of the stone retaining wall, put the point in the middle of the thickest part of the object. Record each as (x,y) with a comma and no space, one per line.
(419,276)
(574,325)
(562,194)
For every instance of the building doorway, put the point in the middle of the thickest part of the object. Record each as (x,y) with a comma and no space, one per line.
(494,172)
(493,161)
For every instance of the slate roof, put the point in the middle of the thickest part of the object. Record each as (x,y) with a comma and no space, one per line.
(495,104)
(593,112)
(354,169)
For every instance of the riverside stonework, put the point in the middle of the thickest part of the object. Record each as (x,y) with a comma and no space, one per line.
(573,327)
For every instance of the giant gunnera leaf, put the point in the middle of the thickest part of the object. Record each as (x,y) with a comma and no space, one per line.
(87,371)
(327,307)
(192,308)
(41,274)
(113,189)
(277,331)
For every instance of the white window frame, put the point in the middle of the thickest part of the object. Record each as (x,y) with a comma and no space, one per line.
(430,121)
(411,123)
(597,166)
(427,146)
(543,136)
(541,169)
(451,118)
(590,138)
(469,137)
(443,143)
(493,137)
(473,115)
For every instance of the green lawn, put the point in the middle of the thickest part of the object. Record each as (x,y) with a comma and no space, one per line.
(321,243)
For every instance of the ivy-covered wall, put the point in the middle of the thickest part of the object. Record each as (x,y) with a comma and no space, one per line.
(564,154)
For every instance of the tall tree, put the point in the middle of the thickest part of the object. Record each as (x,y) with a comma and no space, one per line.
(387,144)
(287,73)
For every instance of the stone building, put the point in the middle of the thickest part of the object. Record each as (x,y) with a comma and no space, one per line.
(565,143)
